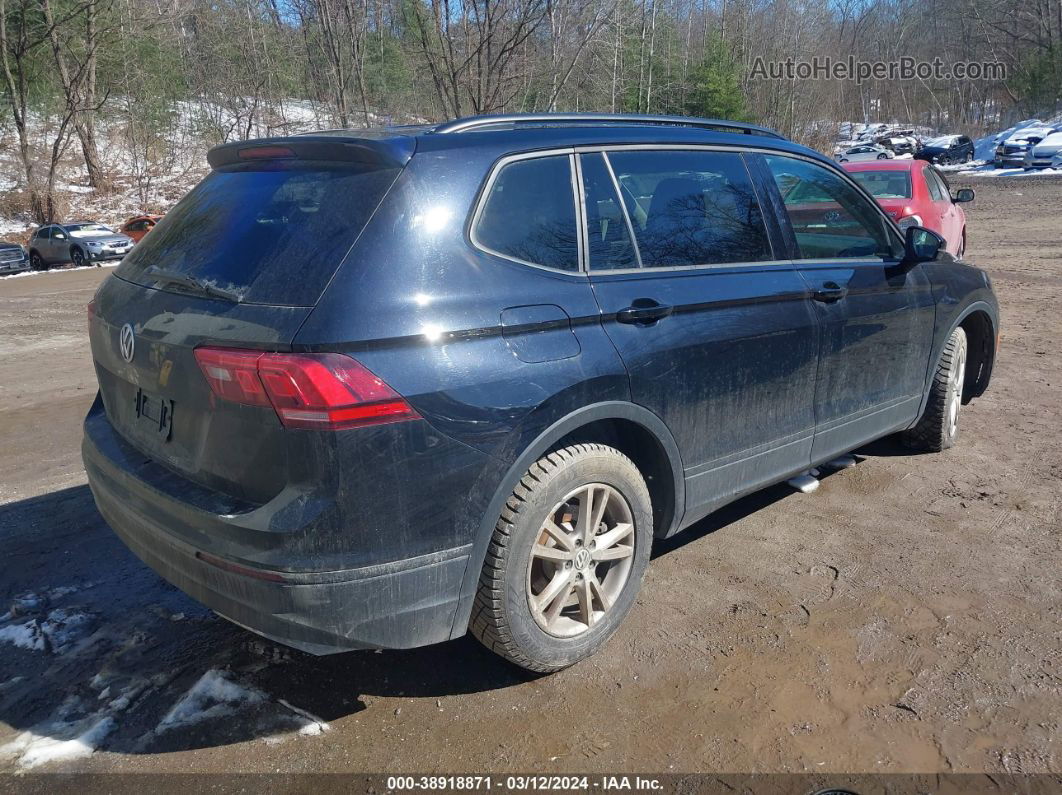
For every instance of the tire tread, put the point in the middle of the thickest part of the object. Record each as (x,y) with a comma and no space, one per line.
(489,622)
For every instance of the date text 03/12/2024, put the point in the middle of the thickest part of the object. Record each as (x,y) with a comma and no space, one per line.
(523,783)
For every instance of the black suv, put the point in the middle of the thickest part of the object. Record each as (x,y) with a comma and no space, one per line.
(377,388)
(947,150)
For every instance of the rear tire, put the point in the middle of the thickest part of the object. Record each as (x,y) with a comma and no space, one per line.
(36,262)
(563,569)
(883,156)
(939,426)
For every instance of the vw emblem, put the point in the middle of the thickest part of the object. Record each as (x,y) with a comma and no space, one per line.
(831,216)
(582,558)
(126,342)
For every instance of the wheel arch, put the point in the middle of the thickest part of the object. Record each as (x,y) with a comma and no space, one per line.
(980,350)
(634,430)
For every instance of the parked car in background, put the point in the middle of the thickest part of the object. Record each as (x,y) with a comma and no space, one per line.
(81,243)
(947,150)
(380,388)
(1044,153)
(914,193)
(901,142)
(13,258)
(138,226)
(864,152)
(1010,153)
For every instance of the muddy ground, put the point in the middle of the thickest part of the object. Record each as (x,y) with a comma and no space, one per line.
(905,617)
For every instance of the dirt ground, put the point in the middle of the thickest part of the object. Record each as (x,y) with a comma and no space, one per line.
(907,616)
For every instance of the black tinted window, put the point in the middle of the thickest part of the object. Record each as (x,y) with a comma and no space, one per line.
(607,234)
(830,218)
(691,207)
(271,232)
(529,214)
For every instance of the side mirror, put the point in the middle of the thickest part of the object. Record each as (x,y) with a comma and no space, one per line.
(921,245)
(963,195)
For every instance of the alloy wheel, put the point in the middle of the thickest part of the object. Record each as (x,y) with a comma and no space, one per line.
(955,383)
(581,560)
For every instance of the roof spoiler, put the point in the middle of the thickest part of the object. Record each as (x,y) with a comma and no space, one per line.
(392,151)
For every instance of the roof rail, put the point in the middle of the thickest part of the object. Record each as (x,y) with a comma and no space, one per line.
(514,120)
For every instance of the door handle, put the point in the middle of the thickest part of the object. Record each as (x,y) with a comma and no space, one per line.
(830,292)
(643,311)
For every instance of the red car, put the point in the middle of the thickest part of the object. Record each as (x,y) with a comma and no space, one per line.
(139,225)
(914,193)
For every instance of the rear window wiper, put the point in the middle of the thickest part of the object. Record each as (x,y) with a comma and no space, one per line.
(192,283)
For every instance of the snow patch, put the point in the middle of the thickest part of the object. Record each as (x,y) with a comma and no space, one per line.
(33,749)
(310,724)
(24,636)
(213,696)
(56,633)
(24,274)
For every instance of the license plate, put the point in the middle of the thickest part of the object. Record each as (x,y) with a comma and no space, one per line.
(156,412)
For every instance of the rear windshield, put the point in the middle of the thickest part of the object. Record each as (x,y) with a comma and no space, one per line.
(885,184)
(270,233)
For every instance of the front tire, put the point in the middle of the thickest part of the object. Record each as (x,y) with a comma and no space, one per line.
(566,559)
(77,256)
(939,426)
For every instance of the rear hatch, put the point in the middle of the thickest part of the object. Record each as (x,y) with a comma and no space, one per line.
(238,263)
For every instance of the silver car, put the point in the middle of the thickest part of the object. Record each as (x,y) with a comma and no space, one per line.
(1011,152)
(81,243)
(1045,153)
(864,152)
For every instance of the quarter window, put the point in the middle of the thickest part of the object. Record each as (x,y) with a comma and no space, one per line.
(691,207)
(529,214)
(830,218)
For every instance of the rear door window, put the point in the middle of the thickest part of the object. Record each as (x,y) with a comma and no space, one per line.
(528,214)
(936,188)
(272,232)
(608,235)
(691,207)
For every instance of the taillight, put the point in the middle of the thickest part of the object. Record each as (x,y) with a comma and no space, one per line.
(327,391)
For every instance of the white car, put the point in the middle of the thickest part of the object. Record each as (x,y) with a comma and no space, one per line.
(864,152)
(1046,153)
(1011,152)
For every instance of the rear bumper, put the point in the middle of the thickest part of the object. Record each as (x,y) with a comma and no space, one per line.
(407,602)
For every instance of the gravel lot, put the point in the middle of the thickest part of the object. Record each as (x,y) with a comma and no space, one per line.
(905,617)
